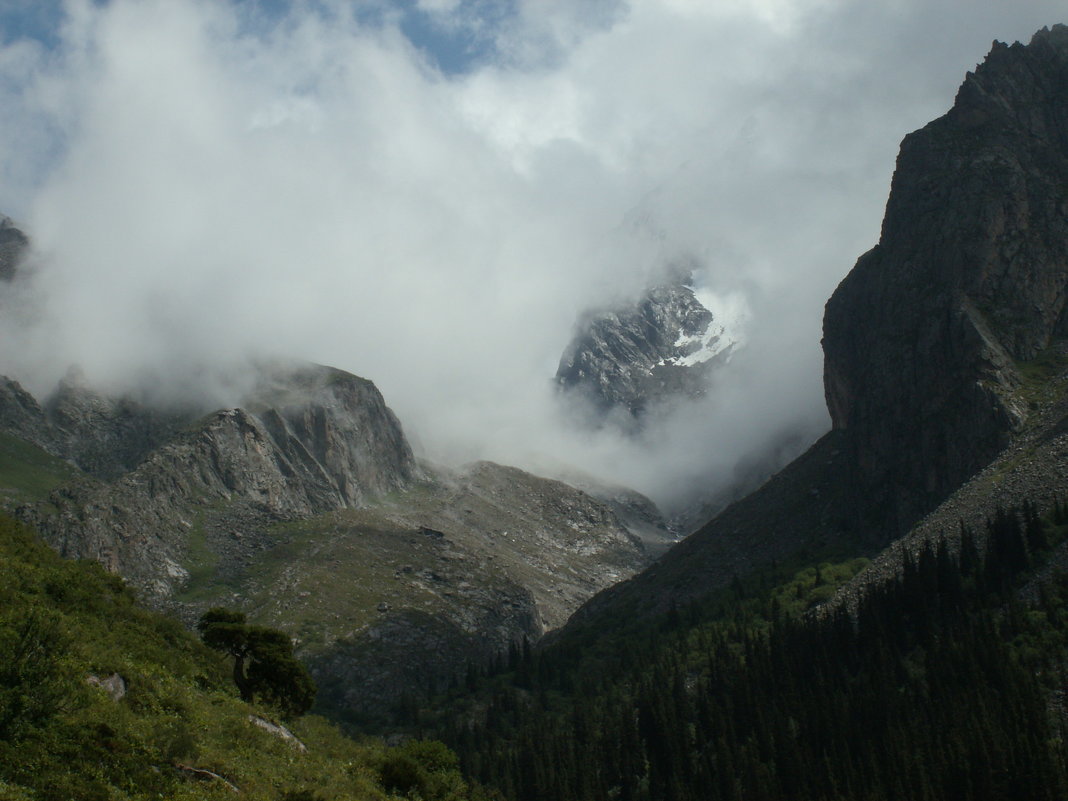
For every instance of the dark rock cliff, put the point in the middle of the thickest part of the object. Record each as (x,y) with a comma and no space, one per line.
(931,343)
(922,339)
(13,245)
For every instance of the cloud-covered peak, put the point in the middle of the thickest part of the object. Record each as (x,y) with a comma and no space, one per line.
(212,182)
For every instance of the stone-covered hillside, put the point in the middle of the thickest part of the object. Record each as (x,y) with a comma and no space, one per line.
(305,507)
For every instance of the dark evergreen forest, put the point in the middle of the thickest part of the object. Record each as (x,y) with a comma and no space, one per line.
(942,683)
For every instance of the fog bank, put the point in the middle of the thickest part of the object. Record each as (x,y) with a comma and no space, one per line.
(433,206)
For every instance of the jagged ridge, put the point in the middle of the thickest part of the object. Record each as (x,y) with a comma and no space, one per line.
(630,359)
(924,340)
(969,276)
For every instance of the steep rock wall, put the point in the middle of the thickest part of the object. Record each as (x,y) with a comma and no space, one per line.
(969,277)
(319,439)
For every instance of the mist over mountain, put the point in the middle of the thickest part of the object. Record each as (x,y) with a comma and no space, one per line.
(447,198)
(207,184)
(624,363)
(830,634)
(945,350)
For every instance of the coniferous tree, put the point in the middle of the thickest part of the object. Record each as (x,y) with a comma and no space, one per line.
(264,665)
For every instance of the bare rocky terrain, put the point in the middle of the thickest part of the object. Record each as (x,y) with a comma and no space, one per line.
(624,362)
(306,508)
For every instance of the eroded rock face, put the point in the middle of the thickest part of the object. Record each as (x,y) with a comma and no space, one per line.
(336,433)
(104,436)
(627,360)
(13,245)
(318,440)
(922,339)
(20,413)
(923,344)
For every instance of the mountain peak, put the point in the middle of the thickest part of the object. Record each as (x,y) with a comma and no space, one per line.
(924,337)
(627,360)
(938,345)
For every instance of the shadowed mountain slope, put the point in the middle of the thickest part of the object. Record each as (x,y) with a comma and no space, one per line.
(934,343)
(305,508)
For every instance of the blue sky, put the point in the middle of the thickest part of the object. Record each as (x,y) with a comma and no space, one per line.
(455,42)
(33,19)
(461,47)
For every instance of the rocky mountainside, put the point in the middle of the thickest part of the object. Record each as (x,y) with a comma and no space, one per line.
(319,439)
(104,436)
(305,507)
(13,244)
(922,338)
(408,591)
(627,360)
(942,345)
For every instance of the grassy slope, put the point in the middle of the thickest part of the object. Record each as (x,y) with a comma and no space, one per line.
(326,567)
(436,549)
(179,709)
(28,473)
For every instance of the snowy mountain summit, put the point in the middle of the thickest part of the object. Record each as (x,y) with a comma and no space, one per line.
(624,362)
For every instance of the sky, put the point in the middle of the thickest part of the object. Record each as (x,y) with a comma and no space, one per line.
(430,193)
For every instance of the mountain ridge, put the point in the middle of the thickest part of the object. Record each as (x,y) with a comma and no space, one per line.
(625,362)
(306,508)
(922,337)
(927,341)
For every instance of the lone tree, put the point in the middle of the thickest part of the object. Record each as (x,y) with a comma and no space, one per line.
(264,665)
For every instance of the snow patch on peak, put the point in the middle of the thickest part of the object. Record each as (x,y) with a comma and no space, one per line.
(723,335)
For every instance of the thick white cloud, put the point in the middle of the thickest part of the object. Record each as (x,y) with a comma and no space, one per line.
(205,187)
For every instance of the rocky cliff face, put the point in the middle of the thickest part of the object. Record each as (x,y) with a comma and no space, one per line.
(20,413)
(923,338)
(305,508)
(311,440)
(104,436)
(943,347)
(627,360)
(335,433)
(13,244)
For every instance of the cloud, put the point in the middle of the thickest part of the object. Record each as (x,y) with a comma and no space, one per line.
(207,184)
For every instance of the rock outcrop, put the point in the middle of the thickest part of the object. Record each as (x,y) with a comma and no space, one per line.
(310,440)
(13,245)
(104,436)
(334,432)
(20,413)
(938,344)
(625,361)
(922,339)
